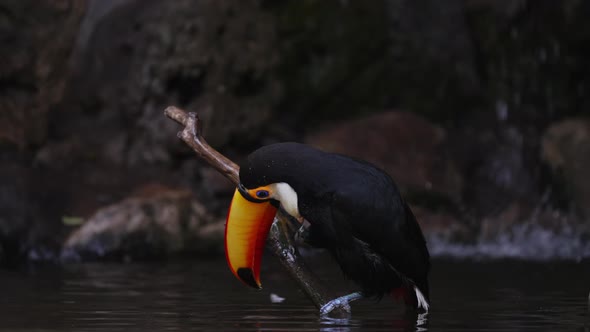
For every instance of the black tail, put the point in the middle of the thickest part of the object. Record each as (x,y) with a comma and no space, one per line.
(420,278)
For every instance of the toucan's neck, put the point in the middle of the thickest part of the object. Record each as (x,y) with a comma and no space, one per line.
(285,194)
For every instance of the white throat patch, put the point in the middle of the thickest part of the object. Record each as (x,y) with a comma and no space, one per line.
(285,194)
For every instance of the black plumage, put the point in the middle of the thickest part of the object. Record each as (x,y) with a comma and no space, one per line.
(355,211)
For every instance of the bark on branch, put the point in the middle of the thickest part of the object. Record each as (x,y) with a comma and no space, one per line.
(279,239)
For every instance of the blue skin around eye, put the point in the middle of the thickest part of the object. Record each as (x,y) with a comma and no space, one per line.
(262,194)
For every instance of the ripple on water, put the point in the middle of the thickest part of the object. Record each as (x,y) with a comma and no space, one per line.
(466,296)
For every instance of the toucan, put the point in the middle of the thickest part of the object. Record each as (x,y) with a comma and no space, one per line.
(348,206)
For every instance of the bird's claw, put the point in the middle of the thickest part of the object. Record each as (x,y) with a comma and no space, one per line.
(342,302)
(336,303)
(302,235)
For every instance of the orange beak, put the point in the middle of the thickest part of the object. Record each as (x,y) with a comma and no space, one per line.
(246,229)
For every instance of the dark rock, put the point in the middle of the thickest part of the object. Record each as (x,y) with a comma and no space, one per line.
(37,39)
(13,203)
(31,206)
(442,226)
(411,149)
(83,85)
(342,59)
(531,58)
(502,223)
(207,184)
(154,223)
(214,184)
(566,148)
(433,54)
(214,57)
(499,166)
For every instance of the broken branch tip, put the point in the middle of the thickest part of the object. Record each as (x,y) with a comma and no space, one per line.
(169,110)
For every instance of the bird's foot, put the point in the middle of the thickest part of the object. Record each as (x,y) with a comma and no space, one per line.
(342,302)
(302,234)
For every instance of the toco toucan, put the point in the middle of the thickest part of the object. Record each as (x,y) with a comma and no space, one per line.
(354,210)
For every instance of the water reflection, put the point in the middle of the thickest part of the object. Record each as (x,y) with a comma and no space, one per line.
(501,296)
(403,322)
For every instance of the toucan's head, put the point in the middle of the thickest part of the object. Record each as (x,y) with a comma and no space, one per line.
(261,190)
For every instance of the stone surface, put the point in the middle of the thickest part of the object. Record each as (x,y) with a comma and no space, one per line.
(31,206)
(83,85)
(408,147)
(154,223)
(442,226)
(38,38)
(214,57)
(499,164)
(566,148)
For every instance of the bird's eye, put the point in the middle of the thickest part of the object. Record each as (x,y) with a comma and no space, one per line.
(262,194)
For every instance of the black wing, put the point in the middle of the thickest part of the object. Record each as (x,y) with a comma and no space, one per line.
(381,225)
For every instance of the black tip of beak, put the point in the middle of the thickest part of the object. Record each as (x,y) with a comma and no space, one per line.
(247,276)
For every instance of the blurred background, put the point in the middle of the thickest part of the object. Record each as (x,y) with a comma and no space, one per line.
(479,109)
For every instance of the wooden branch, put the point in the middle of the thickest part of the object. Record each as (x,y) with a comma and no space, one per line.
(191,135)
(279,239)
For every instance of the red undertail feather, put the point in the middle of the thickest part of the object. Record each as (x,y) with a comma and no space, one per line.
(411,296)
(406,294)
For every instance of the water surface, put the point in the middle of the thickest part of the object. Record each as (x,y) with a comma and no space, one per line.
(203,295)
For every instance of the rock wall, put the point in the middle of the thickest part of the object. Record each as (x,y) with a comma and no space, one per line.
(566,148)
(490,96)
(37,41)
